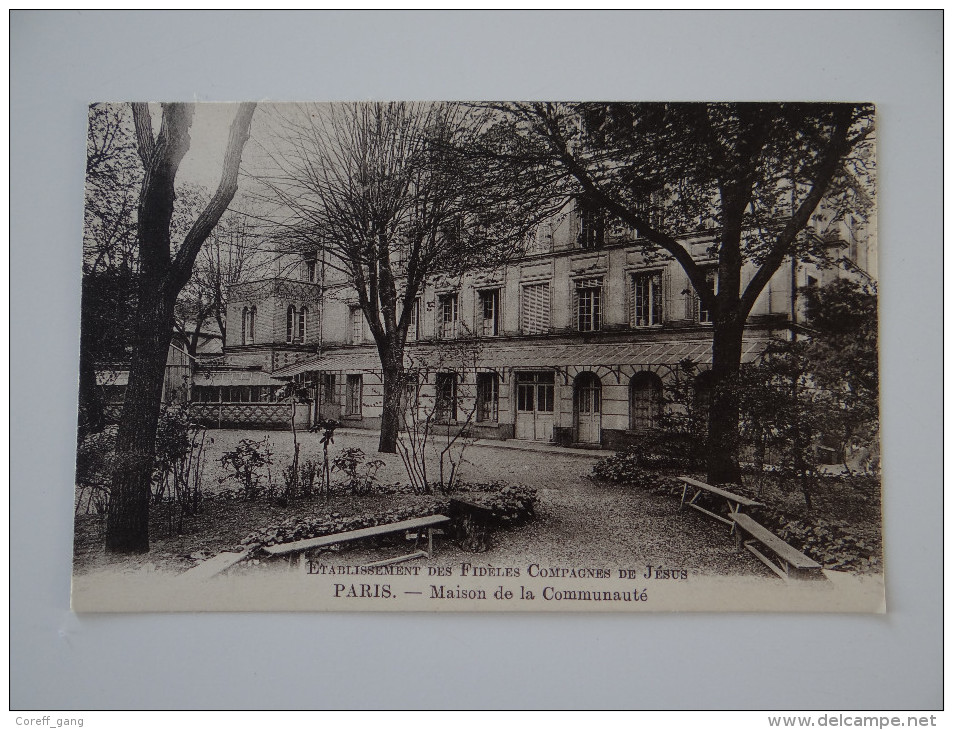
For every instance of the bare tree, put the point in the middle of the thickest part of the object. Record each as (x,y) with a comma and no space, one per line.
(227,258)
(110,260)
(384,192)
(747,175)
(113,174)
(441,409)
(162,275)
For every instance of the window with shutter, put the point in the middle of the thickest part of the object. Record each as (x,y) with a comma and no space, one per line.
(449,315)
(702,313)
(488,396)
(645,300)
(353,401)
(490,313)
(535,308)
(357,326)
(413,328)
(445,408)
(290,324)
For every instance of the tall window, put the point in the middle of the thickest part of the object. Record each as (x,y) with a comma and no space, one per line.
(252,313)
(646,301)
(302,324)
(535,308)
(488,397)
(446,405)
(355,387)
(290,324)
(645,400)
(490,313)
(413,327)
(244,325)
(592,224)
(703,313)
(449,314)
(356,334)
(328,392)
(589,305)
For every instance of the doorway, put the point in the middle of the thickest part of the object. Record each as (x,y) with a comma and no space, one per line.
(587,408)
(535,397)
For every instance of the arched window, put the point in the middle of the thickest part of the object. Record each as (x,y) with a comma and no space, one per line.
(588,393)
(244,325)
(645,400)
(290,325)
(302,324)
(251,325)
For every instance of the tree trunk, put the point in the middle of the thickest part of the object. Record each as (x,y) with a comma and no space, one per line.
(723,440)
(392,360)
(91,402)
(128,520)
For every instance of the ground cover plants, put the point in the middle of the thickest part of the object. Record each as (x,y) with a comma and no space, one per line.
(841,529)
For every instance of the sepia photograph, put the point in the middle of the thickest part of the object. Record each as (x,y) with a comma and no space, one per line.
(486,356)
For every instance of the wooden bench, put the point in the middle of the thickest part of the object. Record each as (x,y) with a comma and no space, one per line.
(789,562)
(293,550)
(214,565)
(471,522)
(735,501)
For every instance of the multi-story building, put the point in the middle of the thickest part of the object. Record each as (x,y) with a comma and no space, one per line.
(271,322)
(571,343)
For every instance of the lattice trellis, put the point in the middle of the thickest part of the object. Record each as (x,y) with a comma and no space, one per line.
(258,413)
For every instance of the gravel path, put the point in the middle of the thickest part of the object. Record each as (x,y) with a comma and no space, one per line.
(580,522)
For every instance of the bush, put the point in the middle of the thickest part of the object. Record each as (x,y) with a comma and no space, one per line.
(626,467)
(359,475)
(304,528)
(307,474)
(511,504)
(248,460)
(95,459)
(835,544)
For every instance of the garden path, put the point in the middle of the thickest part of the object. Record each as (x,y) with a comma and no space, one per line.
(580,522)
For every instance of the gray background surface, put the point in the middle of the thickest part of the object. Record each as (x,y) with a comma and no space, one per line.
(61,61)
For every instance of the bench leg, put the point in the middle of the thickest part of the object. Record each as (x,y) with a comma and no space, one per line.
(733,510)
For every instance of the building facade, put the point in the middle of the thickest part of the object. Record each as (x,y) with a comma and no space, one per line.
(570,344)
(271,323)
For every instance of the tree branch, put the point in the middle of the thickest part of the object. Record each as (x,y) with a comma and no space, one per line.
(238,135)
(838,146)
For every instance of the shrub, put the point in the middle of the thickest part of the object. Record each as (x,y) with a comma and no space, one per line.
(511,504)
(835,544)
(307,474)
(95,459)
(248,460)
(359,474)
(304,528)
(626,467)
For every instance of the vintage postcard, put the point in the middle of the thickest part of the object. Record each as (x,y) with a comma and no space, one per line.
(489,356)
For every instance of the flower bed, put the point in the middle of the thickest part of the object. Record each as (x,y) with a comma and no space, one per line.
(511,505)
